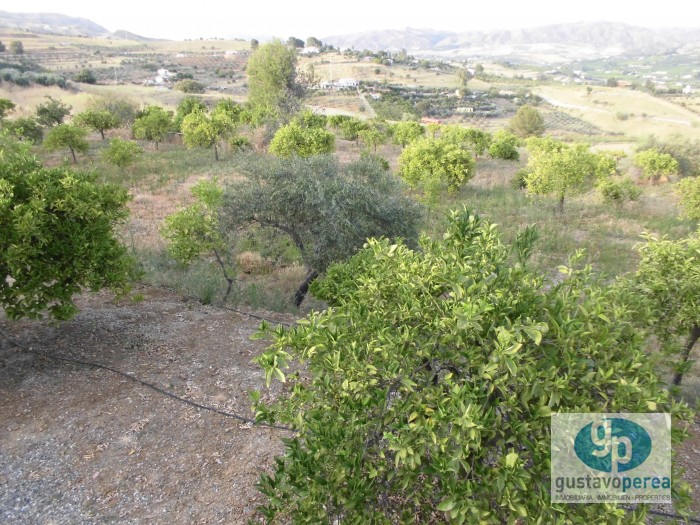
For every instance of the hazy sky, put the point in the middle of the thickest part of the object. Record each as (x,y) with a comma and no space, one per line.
(303,18)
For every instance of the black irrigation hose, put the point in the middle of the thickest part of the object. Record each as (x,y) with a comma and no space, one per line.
(288,325)
(144,383)
(218,305)
(230,414)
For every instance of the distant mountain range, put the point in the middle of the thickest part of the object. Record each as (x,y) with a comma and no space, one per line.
(553,43)
(57,24)
(547,44)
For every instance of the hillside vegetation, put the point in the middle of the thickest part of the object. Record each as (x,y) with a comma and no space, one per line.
(468,248)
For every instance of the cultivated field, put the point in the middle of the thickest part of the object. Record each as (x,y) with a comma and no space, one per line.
(623,111)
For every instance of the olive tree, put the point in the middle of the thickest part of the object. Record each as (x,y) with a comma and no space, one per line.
(16,47)
(85,76)
(67,136)
(189,85)
(58,235)
(667,282)
(424,393)
(326,209)
(123,108)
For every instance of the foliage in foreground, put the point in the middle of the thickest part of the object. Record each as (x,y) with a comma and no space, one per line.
(428,385)
(57,235)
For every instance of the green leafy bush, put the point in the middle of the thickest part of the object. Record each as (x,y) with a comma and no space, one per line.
(403,133)
(122,153)
(58,235)
(85,76)
(67,136)
(189,86)
(293,139)
(527,122)
(504,145)
(667,284)
(428,163)
(689,192)
(24,128)
(619,190)
(427,387)
(656,164)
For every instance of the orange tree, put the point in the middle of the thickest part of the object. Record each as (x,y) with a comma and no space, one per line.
(423,394)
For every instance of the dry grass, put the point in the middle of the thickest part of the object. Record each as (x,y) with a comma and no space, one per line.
(252,263)
(27,98)
(646,114)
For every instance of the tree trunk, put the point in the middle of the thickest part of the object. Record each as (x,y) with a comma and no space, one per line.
(560,208)
(304,287)
(692,339)
(228,278)
(72,152)
(102,133)
(156,145)
(216,153)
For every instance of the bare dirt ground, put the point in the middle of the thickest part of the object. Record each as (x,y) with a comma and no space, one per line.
(84,446)
(80,445)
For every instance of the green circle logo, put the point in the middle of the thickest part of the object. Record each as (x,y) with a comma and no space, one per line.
(613,445)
